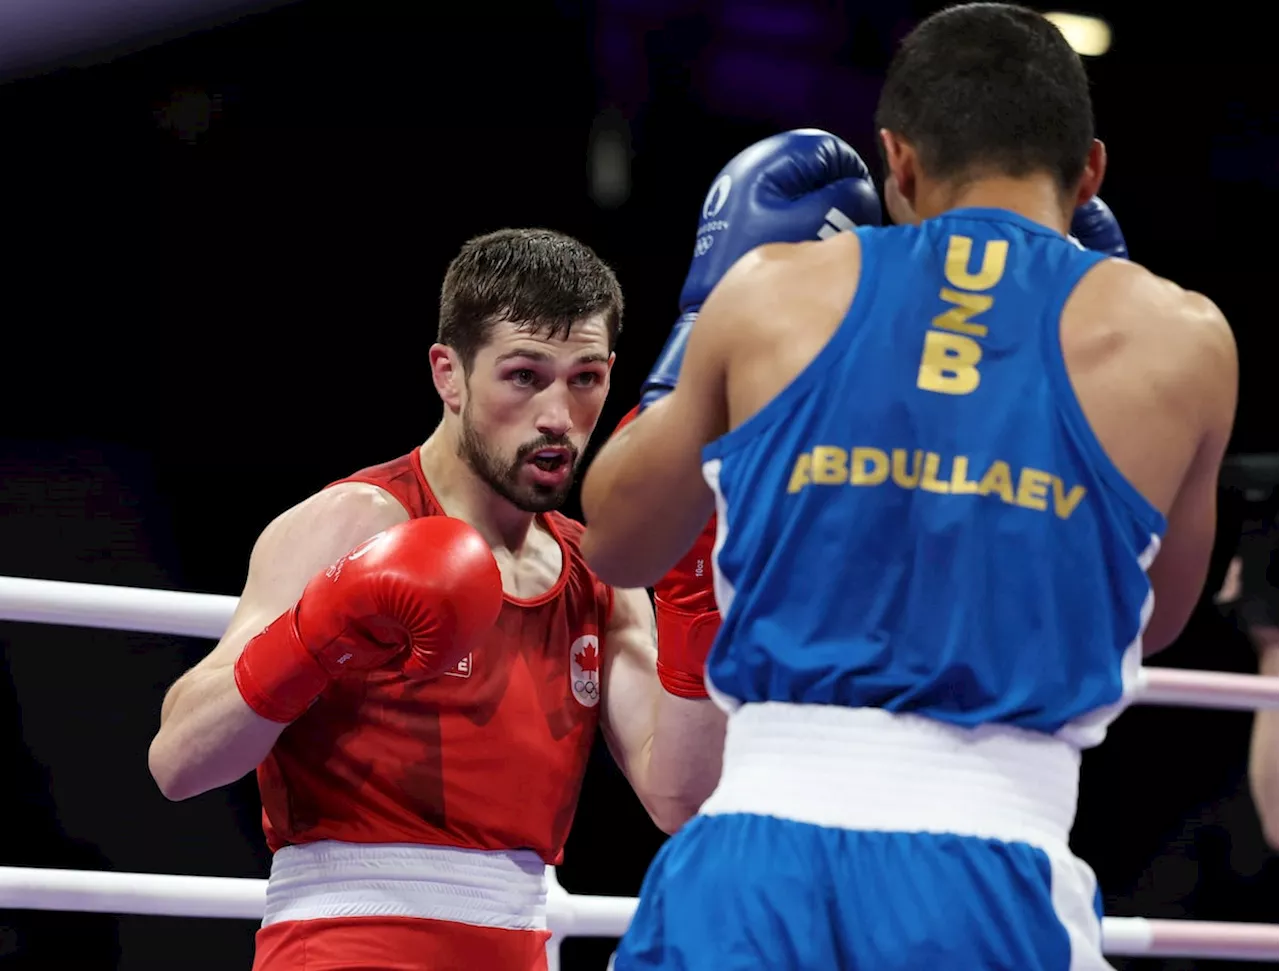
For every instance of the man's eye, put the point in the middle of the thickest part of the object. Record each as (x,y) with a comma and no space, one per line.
(587,379)
(523,377)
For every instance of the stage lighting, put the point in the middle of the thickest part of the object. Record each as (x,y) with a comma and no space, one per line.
(1088,36)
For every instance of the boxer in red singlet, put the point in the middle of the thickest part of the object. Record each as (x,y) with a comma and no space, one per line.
(420,656)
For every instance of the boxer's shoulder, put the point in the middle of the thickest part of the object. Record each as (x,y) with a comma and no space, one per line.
(356,493)
(782,304)
(1157,316)
(819,275)
(381,471)
(344,514)
(1149,361)
(1130,289)
(773,263)
(400,480)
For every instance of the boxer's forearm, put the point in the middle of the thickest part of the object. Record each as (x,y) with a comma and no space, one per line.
(1264,751)
(681,764)
(209,736)
(668,746)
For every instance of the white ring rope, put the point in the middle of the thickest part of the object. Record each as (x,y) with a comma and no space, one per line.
(207,615)
(568,915)
(115,608)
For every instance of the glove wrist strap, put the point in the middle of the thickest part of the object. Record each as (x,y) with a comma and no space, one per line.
(662,377)
(276,675)
(684,640)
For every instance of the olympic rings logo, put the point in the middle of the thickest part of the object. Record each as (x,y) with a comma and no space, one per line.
(584,670)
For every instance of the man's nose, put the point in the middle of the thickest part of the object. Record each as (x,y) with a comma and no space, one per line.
(554,420)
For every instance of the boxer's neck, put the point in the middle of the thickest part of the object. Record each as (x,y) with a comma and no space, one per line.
(464,495)
(1034,197)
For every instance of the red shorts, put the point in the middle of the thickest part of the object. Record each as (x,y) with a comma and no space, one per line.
(397,944)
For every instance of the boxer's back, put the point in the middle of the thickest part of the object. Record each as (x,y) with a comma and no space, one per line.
(925,520)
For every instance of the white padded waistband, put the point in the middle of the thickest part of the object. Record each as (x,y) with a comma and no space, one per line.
(869,769)
(331,879)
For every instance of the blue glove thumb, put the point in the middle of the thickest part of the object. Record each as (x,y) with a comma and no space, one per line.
(1095,227)
(804,184)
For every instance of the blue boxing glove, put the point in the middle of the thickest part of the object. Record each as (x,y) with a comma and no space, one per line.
(1095,227)
(800,185)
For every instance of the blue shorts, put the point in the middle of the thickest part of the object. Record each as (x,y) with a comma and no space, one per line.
(744,891)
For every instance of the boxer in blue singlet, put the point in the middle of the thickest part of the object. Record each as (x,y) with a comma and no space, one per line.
(964,475)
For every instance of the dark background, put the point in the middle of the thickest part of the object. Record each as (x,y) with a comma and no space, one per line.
(222,253)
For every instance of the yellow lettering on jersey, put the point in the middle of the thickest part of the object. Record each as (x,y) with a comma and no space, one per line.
(917,469)
(830,465)
(1033,489)
(868,466)
(907,480)
(961,484)
(966,305)
(997,480)
(949,363)
(960,253)
(929,482)
(800,473)
(1065,504)
(949,359)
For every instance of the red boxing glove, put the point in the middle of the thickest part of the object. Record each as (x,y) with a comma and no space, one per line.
(684,603)
(426,589)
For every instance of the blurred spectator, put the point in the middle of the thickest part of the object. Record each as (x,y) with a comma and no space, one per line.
(1216,856)
(1248,594)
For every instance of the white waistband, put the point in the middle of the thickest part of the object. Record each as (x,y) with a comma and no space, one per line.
(331,879)
(869,769)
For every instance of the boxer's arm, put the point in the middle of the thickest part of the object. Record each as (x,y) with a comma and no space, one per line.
(644,498)
(1264,747)
(668,747)
(209,736)
(1181,567)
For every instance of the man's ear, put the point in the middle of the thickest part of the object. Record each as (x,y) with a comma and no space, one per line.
(448,375)
(1095,168)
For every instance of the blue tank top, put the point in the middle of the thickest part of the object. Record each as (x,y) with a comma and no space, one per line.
(923,521)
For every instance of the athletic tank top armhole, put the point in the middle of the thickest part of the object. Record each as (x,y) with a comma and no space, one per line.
(815,371)
(1073,415)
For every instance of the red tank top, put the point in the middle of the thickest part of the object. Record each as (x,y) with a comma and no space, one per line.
(489,756)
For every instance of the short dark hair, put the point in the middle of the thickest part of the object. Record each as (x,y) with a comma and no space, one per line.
(538,279)
(990,88)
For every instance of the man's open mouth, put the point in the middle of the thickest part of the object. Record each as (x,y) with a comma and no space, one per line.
(550,459)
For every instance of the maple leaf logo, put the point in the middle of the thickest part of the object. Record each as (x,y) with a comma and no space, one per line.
(588,658)
(584,670)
